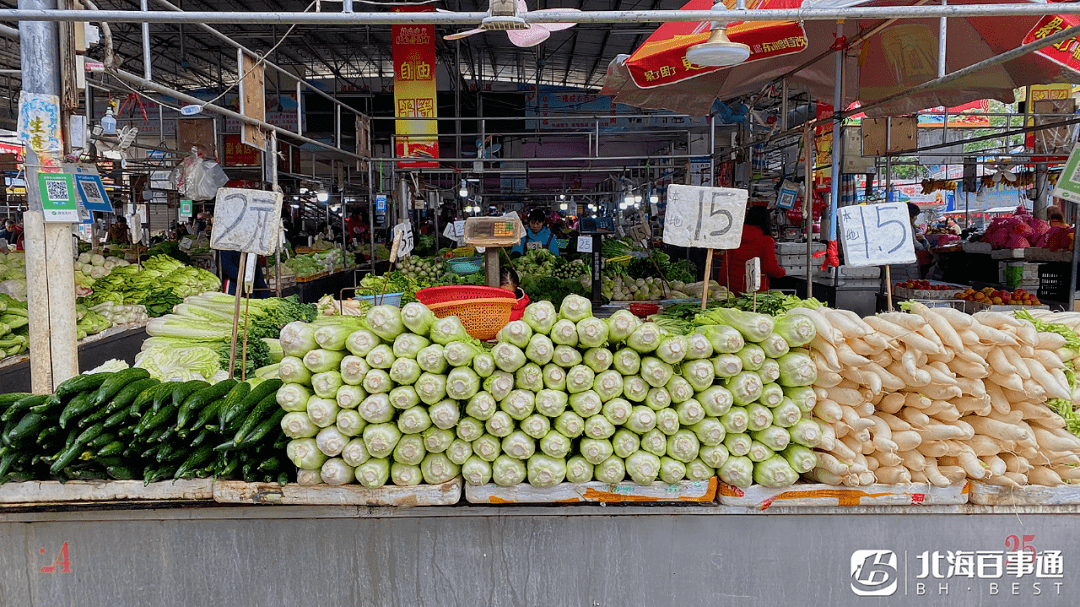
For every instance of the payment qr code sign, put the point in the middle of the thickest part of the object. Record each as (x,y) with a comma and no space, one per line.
(246,220)
(58,198)
(92,192)
(1068,185)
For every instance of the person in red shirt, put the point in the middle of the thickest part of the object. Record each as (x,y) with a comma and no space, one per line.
(757,241)
(508,279)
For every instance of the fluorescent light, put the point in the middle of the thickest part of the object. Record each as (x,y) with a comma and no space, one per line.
(562,196)
(654,198)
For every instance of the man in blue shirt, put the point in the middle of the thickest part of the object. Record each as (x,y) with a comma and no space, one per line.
(537,235)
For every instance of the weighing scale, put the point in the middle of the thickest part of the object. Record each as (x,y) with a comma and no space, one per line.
(597,227)
(492,233)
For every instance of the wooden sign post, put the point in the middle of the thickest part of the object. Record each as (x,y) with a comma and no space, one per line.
(877,235)
(707,218)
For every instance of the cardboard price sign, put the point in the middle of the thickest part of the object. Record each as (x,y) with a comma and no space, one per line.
(707,218)
(584,244)
(877,235)
(406,246)
(246,221)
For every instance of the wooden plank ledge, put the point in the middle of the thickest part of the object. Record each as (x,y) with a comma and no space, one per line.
(238,492)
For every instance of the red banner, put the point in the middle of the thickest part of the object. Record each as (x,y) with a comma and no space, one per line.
(414,92)
(238,153)
(1066,52)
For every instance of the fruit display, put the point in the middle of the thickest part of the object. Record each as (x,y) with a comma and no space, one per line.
(924,285)
(999,297)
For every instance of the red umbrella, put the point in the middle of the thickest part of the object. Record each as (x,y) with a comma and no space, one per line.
(901,55)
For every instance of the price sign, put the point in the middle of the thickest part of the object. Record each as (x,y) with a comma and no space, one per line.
(459,229)
(406,246)
(708,218)
(877,235)
(185,208)
(584,244)
(246,220)
(1068,185)
(753,274)
(58,198)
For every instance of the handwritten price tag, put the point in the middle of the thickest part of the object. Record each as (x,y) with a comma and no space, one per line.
(708,218)
(584,244)
(877,235)
(459,229)
(406,245)
(246,220)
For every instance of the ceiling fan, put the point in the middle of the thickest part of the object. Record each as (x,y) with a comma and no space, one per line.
(1004,171)
(506,15)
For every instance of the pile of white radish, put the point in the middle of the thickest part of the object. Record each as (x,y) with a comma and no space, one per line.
(938,396)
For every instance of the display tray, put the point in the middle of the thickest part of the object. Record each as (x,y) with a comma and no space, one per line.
(820,495)
(594,492)
(1044,254)
(985,494)
(55,492)
(238,492)
(905,293)
(977,247)
(88,340)
(1008,254)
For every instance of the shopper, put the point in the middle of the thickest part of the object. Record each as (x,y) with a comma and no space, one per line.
(913,271)
(119,232)
(757,241)
(537,235)
(508,279)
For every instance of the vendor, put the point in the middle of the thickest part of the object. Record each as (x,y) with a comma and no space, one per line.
(913,271)
(508,280)
(537,235)
(229,262)
(757,241)
(118,232)
(1056,217)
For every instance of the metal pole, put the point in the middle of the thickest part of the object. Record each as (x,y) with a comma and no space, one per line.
(50,271)
(836,141)
(1071,304)
(273,170)
(144,4)
(808,207)
(943,26)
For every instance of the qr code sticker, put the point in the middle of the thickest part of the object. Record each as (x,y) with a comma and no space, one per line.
(1076,174)
(91,191)
(56,191)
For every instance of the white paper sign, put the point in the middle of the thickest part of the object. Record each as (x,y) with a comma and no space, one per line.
(877,234)
(406,245)
(246,220)
(459,229)
(707,218)
(584,244)
(753,274)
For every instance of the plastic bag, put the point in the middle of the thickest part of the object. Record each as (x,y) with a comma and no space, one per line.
(198,179)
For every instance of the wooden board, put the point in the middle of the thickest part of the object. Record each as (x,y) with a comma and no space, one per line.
(594,492)
(1030,495)
(829,496)
(238,492)
(38,492)
(252,99)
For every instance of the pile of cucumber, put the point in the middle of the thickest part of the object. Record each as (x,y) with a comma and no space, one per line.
(125,425)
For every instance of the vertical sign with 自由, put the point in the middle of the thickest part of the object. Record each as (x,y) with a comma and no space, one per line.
(246,221)
(414,92)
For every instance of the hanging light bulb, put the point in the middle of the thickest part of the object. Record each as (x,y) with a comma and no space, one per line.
(464,191)
(637,198)
(108,122)
(629,200)
(654,198)
(322,196)
(719,50)
(562,207)
(562,196)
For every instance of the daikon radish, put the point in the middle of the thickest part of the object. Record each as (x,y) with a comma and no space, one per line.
(855,445)
(887,380)
(841,429)
(828,410)
(1041,475)
(848,357)
(866,478)
(891,403)
(1050,423)
(972,465)
(1050,341)
(885,444)
(1047,381)
(860,347)
(971,387)
(934,475)
(862,435)
(918,401)
(1059,377)
(1034,390)
(1019,479)
(885,328)
(941,376)
(828,350)
(955,474)
(996,320)
(918,477)
(953,448)
(1001,481)
(1031,411)
(841,322)
(892,475)
(913,460)
(940,392)
(1017,362)
(976,352)
(1025,351)
(1065,459)
(851,384)
(970,404)
(865,409)
(823,326)
(995,429)
(983,445)
(827,379)
(1033,455)
(969,338)
(1010,382)
(825,477)
(883,358)
(946,414)
(885,458)
(917,341)
(928,332)
(1028,334)
(968,369)
(1015,463)
(833,465)
(852,419)
(1014,418)
(845,396)
(906,440)
(999,363)
(956,318)
(865,378)
(1050,360)
(914,417)
(936,430)
(1051,441)
(876,341)
(933,448)
(991,335)
(843,452)
(995,464)
(998,400)
(946,332)
(895,423)
(1069,473)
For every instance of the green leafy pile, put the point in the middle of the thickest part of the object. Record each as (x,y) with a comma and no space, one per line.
(132,284)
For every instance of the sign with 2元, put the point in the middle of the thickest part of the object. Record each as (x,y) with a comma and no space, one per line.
(877,235)
(708,218)
(246,220)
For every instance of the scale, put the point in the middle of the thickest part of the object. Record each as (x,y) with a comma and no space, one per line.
(597,227)
(492,233)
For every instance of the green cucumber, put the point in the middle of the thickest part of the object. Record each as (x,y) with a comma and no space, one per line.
(6,400)
(202,398)
(51,402)
(113,385)
(78,407)
(194,461)
(120,473)
(263,428)
(67,457)
(186,389)
(129,393)
(101,440)
(237,394)
(89,434)
(256,417)
(257,394)
(27,428)
(117,417)
(81,383)
(113,448)
(154,421)
(23,405)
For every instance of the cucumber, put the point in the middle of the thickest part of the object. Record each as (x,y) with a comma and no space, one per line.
(263,428)
(202,398)
(154,475)
(113,385)
(129,393)
(162,396)
(156,420)
(194,461)
(47,434)
(81,383)
(89,434)
(101,440)
(146,397)
(257,394)
(6,400)
(50,402)
(237,394)
(256,417)
(67,457)
(167,452)
(226,468)
(156,434)
(118,417)
(27,429)
(186,389)
(23,405)
(120,473)
(78,407)
(270,465)
(113,448)
(8,460)
(208,412)
(200,438)
(99,415)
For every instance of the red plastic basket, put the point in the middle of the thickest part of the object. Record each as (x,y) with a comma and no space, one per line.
(434,295)
(643,310)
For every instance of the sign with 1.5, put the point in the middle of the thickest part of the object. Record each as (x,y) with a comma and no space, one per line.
(877,235)
(708,218)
